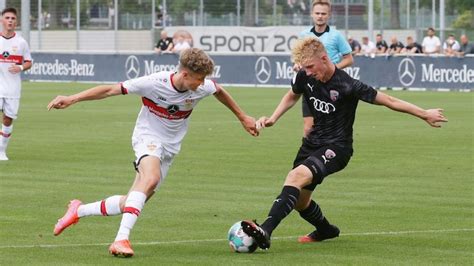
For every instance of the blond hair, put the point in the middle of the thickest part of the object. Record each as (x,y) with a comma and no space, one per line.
(306,49)
(197,61)
(322,2)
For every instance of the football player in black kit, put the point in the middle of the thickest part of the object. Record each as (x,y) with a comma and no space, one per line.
(334,96)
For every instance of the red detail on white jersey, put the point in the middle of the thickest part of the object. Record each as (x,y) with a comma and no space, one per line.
(124,90)
(163,112)
(15,59)
(131,210)
(5,135)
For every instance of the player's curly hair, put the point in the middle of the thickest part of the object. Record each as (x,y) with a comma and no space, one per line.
(305,49)
(197,61)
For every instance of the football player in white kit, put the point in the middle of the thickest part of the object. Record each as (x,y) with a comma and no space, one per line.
(168,99)
(14,59)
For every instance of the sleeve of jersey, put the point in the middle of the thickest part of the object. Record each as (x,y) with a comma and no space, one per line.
(297,82)
(364,92)
(343,45)
(138,86)
(26,53)
(209,87)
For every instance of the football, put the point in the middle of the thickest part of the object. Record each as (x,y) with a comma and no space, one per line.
(239,241)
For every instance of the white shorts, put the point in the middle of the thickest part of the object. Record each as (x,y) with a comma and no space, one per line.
(149,146)
(9,107)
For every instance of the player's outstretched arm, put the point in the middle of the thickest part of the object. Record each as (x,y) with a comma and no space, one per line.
(432,116)
(288,101)
(95,93)
(248,122)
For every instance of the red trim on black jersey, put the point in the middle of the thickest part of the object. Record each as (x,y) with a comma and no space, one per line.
(163,112)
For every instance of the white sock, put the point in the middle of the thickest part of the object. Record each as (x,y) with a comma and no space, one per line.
(5,137)
(108,207)
(133,206)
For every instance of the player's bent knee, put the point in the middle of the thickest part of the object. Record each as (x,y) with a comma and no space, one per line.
(299,177)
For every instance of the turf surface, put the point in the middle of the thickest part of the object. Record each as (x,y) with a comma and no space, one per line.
(406,197)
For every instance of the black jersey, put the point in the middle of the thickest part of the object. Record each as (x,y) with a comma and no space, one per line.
(333,105)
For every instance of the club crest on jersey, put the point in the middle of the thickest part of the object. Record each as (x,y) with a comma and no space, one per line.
(151,147)
(328,154)
(188,103)
(333,95)
(5,54)
(172,109)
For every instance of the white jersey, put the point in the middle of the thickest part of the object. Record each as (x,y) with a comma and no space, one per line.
(165,111)
(14,51)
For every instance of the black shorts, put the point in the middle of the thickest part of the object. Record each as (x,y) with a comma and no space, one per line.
(305,109)
(322,160)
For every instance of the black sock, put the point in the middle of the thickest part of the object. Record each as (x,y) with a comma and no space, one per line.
(314,216)
(282,206)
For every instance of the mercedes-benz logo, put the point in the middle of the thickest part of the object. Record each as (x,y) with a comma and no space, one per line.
(263,69)
(5,54)
(173,109)
(406,72)
(132,67)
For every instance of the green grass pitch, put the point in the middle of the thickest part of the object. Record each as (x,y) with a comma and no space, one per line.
(406,197)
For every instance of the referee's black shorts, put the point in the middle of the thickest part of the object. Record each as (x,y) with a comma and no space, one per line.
(322,160)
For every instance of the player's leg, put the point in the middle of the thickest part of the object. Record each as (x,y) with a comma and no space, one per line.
(147,180)
(282,206)
(312,213)
(10,110)
(323,162)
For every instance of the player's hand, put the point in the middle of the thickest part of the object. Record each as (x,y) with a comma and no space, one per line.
(60,102)
(14,69)
(264,122)
(250,125)
(296,67)
(434,117)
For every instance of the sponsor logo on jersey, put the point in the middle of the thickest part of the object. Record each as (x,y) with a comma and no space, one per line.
(171,112)
(322,106)
(10,58)
(310,86)
(172,109)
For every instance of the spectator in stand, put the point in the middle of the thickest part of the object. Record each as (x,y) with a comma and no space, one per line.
(431,43)
(412,47)
(368,47)
(381,44)
(165,44)
(180,45)
(355,45)
(466,47)
(451,46)
(395,46)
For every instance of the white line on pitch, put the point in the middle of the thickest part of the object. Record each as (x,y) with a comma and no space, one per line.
(221,240)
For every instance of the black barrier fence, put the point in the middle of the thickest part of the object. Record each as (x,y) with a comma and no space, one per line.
(256,70)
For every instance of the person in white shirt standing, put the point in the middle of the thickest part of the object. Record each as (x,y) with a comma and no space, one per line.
(431,43)
(14,59)
(168,99)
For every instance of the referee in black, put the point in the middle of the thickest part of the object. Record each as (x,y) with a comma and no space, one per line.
(333,97)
